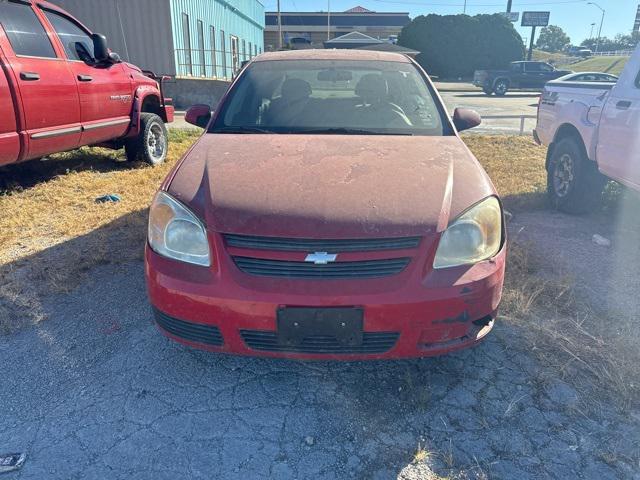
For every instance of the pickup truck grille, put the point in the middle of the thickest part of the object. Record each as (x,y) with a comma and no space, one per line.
(305,270)
(312,245)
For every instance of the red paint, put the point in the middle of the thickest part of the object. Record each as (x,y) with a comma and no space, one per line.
(330,187)
(58,100)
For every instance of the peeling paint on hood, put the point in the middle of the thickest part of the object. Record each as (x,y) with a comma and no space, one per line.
(329,186)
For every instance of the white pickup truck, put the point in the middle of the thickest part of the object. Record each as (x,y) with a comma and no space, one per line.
(593,134)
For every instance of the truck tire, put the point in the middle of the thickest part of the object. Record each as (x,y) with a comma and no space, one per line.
(151,144)
(501,87)
(574,184)
(487,90)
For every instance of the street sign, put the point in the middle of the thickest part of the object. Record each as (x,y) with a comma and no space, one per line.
(535,19)
(511,16)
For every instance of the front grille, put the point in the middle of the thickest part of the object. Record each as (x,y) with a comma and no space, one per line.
(193,332)
(288,269)
(372,343)
(330,246)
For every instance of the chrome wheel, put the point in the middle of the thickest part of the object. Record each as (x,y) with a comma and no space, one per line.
(563,175)
(156,143)
(501,88)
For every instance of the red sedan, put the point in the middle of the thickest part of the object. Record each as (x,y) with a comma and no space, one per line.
(329,211)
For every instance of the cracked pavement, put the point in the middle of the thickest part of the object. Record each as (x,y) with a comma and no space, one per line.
(96,392)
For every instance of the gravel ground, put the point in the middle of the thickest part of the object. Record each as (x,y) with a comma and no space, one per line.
(97,392)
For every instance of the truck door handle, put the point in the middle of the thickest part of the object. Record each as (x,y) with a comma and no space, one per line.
(623,104)
(85,78)
(29,76)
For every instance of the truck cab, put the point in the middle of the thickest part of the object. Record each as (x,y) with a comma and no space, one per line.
(520,75)
(62,88)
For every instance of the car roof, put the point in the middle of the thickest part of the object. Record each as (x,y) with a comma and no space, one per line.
(333,54)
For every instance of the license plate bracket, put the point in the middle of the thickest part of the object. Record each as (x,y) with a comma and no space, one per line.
(345,324)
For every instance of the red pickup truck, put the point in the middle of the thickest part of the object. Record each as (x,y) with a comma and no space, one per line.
(62,88)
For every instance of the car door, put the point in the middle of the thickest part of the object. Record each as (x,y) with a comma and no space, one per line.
(9,139)
(106,96)
(535,77)
(516,74)
(618,141)
(50,113)
(547,73)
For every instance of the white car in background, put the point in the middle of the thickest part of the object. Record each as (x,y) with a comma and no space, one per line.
(591,129)
(588,77)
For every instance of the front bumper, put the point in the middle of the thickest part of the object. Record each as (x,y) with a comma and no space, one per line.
(229,311)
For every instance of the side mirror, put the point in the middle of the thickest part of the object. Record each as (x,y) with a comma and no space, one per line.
(100,49)
(464,119)
(198,115)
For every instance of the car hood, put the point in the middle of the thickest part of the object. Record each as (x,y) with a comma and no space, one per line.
(328,186)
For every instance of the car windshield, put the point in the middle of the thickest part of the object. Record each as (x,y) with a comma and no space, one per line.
(332,97)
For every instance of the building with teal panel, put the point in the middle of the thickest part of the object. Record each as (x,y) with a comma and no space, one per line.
(212,38)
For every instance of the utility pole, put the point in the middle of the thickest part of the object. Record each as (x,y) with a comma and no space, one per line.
(601,22)
(464,10)
(279,28)
(328,19)
(509,6)
(533,35)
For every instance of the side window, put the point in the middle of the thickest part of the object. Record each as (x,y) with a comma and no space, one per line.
(516,67)
(532,67)
(545,67)
(26,34)
(73,38)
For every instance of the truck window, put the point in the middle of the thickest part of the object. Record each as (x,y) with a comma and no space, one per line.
(516,67)
(70,35)
(26,34)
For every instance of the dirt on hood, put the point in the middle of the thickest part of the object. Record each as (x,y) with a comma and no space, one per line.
(331,186)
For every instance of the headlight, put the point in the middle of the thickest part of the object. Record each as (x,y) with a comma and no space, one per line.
(176,233)
(474,236)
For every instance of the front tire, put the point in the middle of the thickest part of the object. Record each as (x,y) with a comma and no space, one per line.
(501,88)
(574,184)
(152,143)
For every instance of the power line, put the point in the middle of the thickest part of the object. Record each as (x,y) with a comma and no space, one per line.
(432,4)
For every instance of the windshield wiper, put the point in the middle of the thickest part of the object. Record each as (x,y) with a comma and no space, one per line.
(348,131)
(242,129)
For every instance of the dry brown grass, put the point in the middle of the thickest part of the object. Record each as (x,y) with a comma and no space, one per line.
(566,334)
(53,231)
(516,167)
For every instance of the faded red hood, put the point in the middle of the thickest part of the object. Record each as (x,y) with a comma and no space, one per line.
(329,186)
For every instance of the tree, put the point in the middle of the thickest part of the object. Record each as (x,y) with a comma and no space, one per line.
(619,42)
(552,39)
(456,45)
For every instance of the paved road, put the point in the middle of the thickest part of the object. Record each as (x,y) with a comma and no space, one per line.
(95,392)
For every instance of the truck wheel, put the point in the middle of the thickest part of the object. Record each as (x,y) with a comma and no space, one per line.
(574,184)
(152,143)
(487,91)
(501,87)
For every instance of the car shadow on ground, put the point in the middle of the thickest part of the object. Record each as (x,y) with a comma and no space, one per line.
(96,384)
(21,176)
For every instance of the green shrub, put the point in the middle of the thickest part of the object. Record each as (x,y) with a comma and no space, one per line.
(456,45)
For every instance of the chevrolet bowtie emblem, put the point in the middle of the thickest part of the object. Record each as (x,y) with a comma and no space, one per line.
(321,258)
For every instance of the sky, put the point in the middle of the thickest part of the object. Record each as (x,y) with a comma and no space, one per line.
(574,16)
